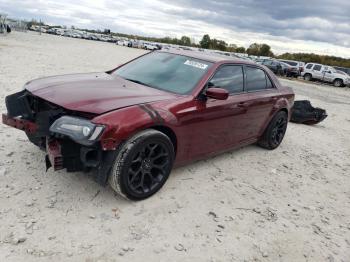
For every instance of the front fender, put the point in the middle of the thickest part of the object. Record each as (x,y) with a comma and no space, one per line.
(123,123)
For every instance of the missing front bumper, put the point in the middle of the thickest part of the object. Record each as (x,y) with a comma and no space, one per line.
(21,124)
(34,117)
(74,157)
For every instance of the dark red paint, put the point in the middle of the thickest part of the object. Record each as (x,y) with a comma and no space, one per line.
(197,127)
(217,93)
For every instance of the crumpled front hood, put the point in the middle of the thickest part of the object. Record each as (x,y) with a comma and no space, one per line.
(93,92)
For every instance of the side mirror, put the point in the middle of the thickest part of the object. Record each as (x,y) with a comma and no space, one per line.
(217,93)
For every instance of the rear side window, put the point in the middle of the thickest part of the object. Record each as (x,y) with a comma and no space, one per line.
(309,66)
(317,67)
(230,78)
(256,79)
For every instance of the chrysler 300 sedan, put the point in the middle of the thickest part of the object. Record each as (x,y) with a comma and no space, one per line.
(132,124)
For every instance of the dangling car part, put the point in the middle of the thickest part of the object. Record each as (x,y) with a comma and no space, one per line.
(304,113)
(132,124)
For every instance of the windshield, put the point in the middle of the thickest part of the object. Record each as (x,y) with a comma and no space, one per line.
(169,72)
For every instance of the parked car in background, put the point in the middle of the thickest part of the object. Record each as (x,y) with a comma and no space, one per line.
(345,75)
(274,65)
(93,37)
(123,42)
(344,69)
(289,70)
(260,61)
(132,124)
(59,31)
(150,46)
(136,44)
(300,65)
(51,31)
(281,68)
(314,71)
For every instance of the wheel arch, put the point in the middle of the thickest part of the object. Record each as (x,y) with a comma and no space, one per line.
(168,132)
(308,73)
(337,78)
(284,109)
(273,113)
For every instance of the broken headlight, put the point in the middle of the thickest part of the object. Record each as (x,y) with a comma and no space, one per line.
(80,130)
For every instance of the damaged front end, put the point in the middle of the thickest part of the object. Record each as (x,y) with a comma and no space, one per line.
(69,138)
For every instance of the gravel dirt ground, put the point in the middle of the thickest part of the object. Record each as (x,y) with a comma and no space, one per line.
(290,204)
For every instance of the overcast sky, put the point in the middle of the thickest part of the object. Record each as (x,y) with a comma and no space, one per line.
(319,26)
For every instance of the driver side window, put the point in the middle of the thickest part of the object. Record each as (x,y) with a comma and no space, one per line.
(229,77)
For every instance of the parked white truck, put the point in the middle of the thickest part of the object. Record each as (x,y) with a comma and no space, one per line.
(313,71)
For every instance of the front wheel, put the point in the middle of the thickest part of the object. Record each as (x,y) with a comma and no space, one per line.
(338,82)
(275,131)
(142,165)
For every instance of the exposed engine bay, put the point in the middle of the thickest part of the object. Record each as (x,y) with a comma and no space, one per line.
(54,129)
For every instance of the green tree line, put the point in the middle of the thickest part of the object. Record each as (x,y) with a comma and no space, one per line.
(322,59)
(256,49)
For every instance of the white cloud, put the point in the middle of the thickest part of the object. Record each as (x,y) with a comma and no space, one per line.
(253,22)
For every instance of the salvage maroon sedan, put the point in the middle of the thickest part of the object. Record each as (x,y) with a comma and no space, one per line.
(132,124)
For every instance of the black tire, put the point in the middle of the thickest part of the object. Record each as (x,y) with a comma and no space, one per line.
(142,165)
(275,131)
(38,141)
(307,77)
(338,83)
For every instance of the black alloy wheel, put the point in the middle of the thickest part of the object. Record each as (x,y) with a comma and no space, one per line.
(148,168)
(279,130)
(142,165)
(275,131)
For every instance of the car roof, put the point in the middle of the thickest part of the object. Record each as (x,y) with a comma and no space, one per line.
(290,60)
(209,57)
(283,63)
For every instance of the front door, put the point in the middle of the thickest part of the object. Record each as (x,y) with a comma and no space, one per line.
(215,125)
(317,72)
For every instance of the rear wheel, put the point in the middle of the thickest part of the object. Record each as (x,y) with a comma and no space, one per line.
(338,83)
(275,131)
(143,164)
(307,77)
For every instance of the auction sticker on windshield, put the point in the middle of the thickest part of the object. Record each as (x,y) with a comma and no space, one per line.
(196,64)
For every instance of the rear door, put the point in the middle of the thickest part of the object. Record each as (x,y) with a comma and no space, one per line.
(262,96)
